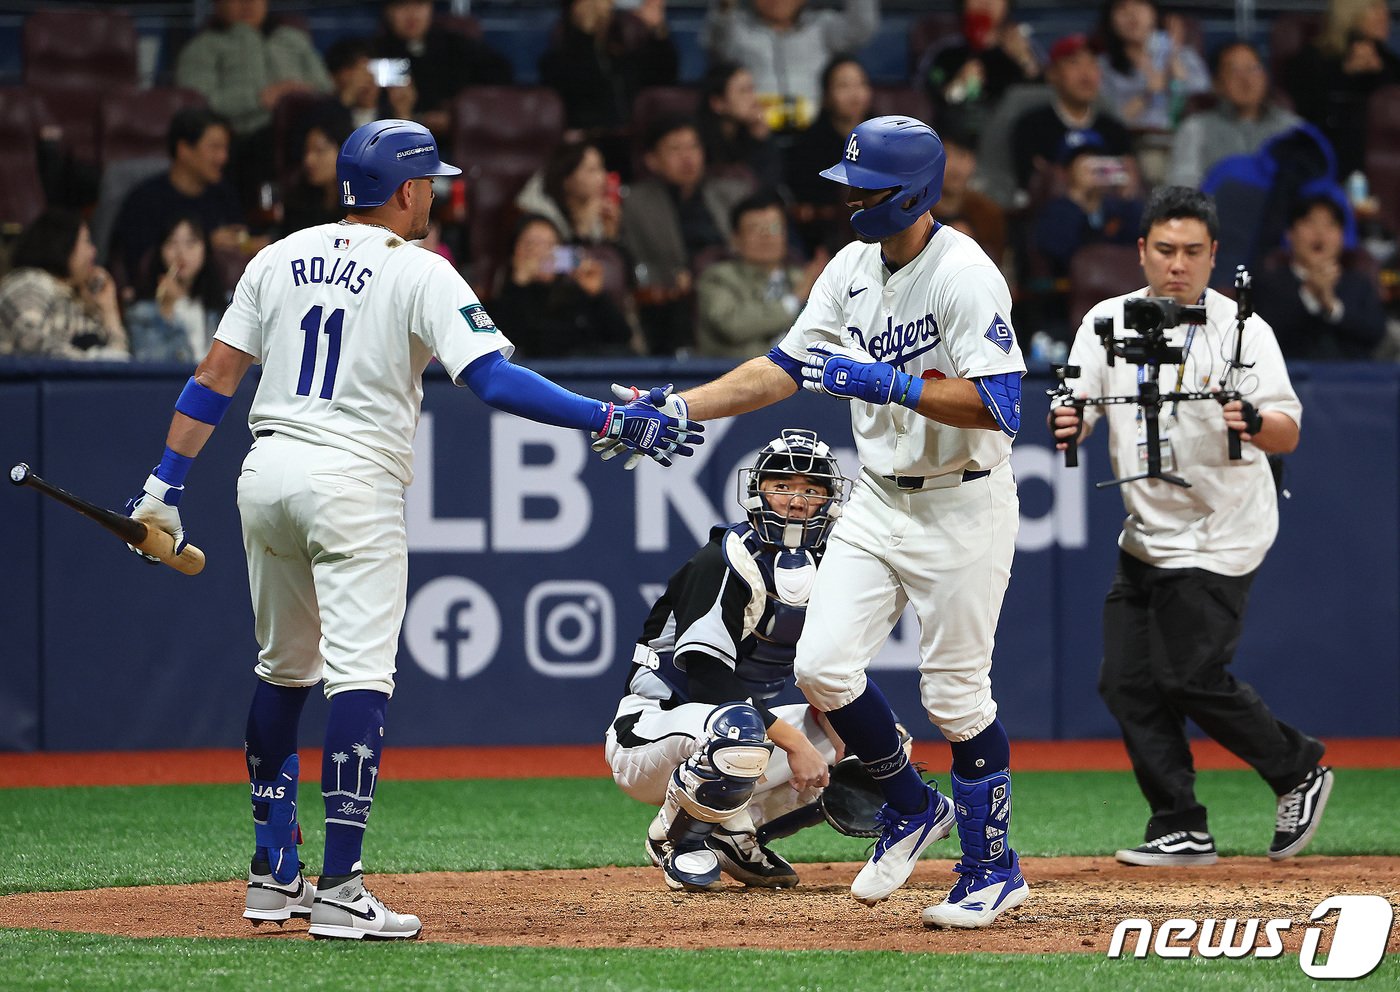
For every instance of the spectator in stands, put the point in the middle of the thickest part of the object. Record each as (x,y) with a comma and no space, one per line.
(56,302)
(819,205)
(1332,80)
(974,213)
(552,302)
(967,75)
(1319,302)
(198,143)
(179,298)
(441,62)
(1092,209)
(575,193)
(243,62)
(314,196)
(1242,120)
(600,57)
(786,46)
(1040,133)
(669,218)
(734,128)
(1148,70)
(357,88)
(746,303)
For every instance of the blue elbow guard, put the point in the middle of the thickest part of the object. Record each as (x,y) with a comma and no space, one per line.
(201,403)
(787,363)
(1002,396)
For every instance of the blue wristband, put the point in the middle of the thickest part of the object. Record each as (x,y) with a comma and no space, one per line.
(173,468)
(201,403)
(909,391)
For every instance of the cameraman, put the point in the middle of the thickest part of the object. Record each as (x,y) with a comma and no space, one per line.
(1187,557)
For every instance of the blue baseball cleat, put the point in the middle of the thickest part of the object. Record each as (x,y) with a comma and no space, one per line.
(903,838)
(982,893)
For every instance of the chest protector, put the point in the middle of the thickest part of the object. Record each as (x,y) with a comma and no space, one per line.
(766,654)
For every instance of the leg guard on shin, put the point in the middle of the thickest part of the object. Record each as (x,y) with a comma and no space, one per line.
(984,817)
(275,824)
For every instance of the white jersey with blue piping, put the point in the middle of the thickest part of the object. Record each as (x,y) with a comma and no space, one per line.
(946,314)
(343,319)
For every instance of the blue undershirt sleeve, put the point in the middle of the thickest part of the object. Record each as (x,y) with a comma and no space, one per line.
(516,390)
(787,363)
(1002,396)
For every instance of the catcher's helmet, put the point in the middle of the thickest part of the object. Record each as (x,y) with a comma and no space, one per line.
(896,153)
(381,156)
(793,452)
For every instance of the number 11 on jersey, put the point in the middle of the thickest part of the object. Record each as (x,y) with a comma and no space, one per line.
(311,326)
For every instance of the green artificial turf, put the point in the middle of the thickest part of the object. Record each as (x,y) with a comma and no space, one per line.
(43,960)
(78,838)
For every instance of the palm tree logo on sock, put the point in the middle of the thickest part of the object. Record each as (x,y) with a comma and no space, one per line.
(364,753)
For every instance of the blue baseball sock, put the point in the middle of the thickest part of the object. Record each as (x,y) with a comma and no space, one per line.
(867,727)
(349,770)
(270,739)
(983,755)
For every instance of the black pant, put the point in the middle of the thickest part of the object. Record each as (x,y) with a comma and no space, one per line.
(1169,634)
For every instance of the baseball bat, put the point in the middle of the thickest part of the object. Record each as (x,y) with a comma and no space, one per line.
(151,540)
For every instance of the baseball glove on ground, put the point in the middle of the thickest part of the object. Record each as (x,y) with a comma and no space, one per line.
(852,799)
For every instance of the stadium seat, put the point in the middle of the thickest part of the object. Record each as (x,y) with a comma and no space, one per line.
(67,117)
(506,128)
(134,123)
(652,103)
(1099,272)
(1383,152)
(92,47)
(491,221)
(22,193)
(1288,34)
(290,116)
(926,32)
(907,101)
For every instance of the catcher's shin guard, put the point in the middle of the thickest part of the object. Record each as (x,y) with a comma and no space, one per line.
(275,819)
(984,816)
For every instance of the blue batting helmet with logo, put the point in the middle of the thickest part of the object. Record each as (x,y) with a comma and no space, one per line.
(381,156)
(895,153)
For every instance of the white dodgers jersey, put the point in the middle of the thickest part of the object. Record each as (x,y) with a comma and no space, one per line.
(343,319)
(944,315)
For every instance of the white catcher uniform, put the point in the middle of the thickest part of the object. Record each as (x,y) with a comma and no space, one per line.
(1227,520)
(933,515)
(343,319)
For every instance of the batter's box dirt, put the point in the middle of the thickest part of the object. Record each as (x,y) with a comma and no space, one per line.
(1075,905)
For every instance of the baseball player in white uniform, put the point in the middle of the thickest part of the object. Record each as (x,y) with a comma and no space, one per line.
(910,325)
(343,318)
(1188,556)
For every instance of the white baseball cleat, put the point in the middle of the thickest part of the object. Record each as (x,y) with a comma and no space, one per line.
(903,838)
(982,893)
(345,909)
(270,900)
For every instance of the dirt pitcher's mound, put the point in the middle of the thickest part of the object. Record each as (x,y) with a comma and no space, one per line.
(1075,905)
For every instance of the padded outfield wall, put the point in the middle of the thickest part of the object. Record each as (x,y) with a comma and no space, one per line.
(533,564)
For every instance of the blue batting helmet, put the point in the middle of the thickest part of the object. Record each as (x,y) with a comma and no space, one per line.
(381,156)
(896,153)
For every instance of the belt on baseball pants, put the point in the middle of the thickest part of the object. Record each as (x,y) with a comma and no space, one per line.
(913,483)
(263,433)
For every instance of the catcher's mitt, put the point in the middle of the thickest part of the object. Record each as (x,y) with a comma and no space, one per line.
(852,799)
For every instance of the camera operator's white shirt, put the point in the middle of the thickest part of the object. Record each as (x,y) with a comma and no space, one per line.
(1227,520)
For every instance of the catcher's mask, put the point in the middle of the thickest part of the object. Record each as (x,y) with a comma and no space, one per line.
(794,452)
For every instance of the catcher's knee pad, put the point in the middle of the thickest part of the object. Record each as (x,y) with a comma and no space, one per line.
(983,808)
(718,780)
(275,818)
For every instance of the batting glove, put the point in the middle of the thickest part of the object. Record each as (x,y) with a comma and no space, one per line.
(663,400)
(158,506)
(849,374)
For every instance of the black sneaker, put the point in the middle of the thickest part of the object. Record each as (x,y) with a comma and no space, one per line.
(1299,813)
(1184,847)
(744,859)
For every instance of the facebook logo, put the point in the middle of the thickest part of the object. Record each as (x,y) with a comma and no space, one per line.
(452,628)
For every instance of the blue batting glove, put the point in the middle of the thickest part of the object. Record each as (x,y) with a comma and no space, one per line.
(662,399)
(653,424)
(849,374)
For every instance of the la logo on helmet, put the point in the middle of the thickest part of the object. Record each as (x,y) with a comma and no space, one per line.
(852,149)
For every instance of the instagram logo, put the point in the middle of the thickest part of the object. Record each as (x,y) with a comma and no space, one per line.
(569,629)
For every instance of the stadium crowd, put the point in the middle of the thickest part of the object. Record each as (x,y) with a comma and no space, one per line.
(617,208)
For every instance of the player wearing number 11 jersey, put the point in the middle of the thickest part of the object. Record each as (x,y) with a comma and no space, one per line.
(343,319)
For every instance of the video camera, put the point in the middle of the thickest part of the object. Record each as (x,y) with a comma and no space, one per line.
(1149,316)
